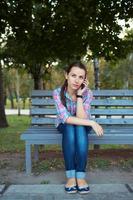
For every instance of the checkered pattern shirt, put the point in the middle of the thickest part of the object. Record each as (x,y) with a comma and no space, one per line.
(62,112)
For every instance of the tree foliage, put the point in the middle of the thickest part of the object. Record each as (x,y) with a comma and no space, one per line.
(47,30)
(40,32)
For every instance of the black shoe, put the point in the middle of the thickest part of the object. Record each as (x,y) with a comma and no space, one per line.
(83,189)
(71,190)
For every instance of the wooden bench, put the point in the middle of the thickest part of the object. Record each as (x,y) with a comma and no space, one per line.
(113,109)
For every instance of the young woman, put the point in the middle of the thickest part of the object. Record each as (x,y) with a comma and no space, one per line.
(72,102)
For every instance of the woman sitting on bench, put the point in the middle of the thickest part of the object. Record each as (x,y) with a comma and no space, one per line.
(72,102)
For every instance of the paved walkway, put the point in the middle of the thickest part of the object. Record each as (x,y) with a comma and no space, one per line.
(15,111)
(56,191)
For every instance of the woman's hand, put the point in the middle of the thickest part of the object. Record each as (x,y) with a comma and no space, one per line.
(82,89)
(97,128)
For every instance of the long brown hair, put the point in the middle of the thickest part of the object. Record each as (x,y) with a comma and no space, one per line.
(74,64)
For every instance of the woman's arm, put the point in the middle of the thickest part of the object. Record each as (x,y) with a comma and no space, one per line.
(85,122)
(83,104)
(78,121)
(67,118)
(80,112)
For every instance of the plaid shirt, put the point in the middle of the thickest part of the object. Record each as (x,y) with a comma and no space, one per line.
(62,112)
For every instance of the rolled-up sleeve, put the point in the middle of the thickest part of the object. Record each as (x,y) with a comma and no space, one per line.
(88,97)
(62,112)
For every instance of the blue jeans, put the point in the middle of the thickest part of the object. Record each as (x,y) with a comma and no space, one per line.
(75,148)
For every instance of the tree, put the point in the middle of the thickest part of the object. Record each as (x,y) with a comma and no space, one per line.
(91,25)
(118,74)
(8,77)
(3,17)
(30,41)
(44,31)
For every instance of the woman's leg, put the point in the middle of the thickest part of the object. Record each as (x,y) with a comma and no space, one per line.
(68,147)
(81,144)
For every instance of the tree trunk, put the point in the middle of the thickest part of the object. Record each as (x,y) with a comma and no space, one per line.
(97,87)
(11,96)
(96,73)
(5,99)
(3,121)
(37,76)
(38,83)
(24,101)
(18,92)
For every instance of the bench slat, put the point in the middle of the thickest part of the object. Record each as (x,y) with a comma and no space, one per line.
(41,121)
(105,93)
(113,93)
(52,131)
(113,128)
(120,112)
(48,111)
(95,102)
(112,102)
(42,102)
(93,139)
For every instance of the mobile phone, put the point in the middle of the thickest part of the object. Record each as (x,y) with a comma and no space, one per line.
(82,85)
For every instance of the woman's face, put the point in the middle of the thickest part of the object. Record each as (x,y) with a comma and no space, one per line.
(75,78)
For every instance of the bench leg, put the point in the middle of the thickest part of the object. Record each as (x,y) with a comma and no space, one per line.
(36,153)
(28,159)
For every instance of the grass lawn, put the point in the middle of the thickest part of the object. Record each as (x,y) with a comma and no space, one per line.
(10,136)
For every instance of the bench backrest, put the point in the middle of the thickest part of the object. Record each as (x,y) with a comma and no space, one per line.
(109,107)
